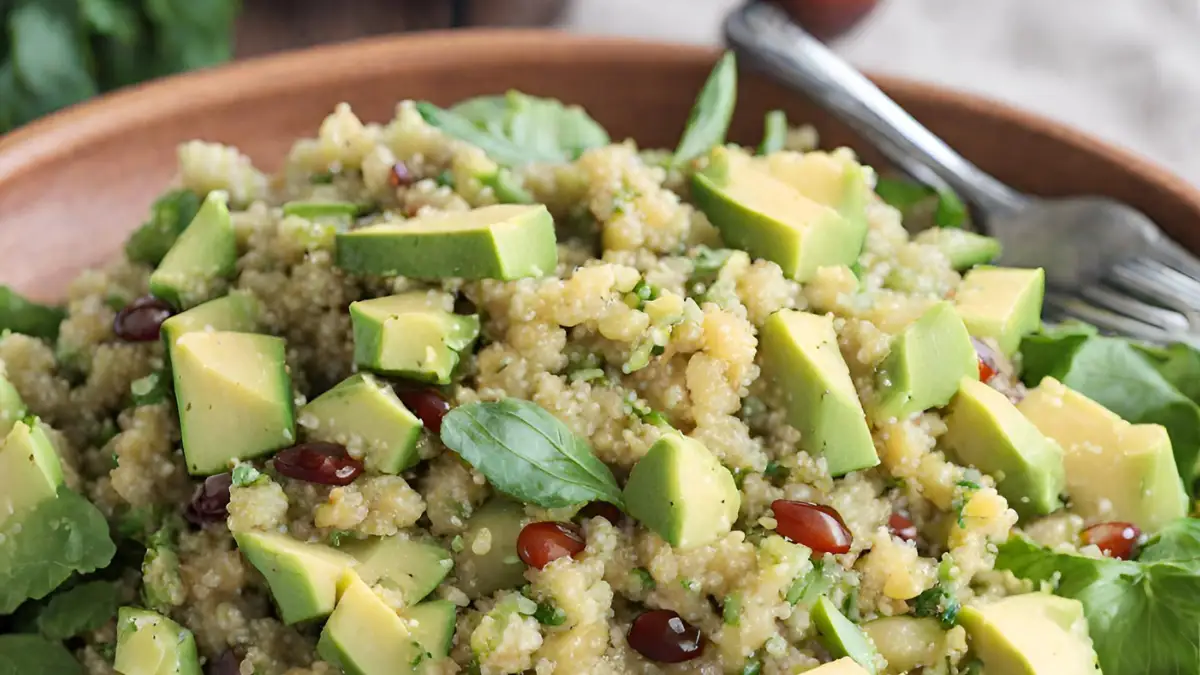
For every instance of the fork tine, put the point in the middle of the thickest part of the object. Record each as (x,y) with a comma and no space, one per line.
(1169,253)
(1104,319)
(1160,283)
(1107,298)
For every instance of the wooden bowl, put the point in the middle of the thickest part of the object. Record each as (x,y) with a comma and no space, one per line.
(73,185)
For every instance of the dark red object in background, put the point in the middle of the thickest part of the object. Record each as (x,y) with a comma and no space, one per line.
(816,526)
(318,462)
(828,19)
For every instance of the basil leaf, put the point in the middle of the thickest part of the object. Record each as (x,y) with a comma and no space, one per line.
(21,315)
(528,454)
(1178,541)
(775,131)
(35,655)
(951,211)
(83,608)
(902,195)
(712,112)
(49,53)
(1179,364)
(499,148)
(58,538)
(551,128)
(907,196)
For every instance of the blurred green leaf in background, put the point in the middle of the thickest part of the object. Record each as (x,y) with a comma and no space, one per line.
(57,52)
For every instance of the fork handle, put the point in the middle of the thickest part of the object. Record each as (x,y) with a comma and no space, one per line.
(762,32)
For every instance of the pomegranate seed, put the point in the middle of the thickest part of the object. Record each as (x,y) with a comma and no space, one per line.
(661,635)
(1115,540)
(210,501)
(318,462)
(400,175)
(900,526)
(816,526)
(426,404)
(604,510)
(988,360)
(540,544)
(140,320)
(828,19)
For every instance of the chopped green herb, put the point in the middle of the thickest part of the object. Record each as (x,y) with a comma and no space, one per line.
(548,614)
(938,602)
(586,375)
(245,474)
(644,578)
(752,667)
(446,179)
(149,390)
(731,610)
(336,537)
(808,587)
(321,178)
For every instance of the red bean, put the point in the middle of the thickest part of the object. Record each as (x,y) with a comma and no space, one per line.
(140,320)
(426,404)
(816,526)
(900,526)
(604,510)
(1115,540)
(989,360)
(400,175)
(318,462)
(540,544)
(662,635)
(210,501)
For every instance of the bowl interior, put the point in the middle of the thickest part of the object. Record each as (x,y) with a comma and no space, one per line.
(73,185)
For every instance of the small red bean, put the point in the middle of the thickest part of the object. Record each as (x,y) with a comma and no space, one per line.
(210,501)
(900,526)
(604,510)
(318,462)
(140,320)
(662,635)
(1115,540)
(400,175)
(816,526)
(540,544)
(426,404)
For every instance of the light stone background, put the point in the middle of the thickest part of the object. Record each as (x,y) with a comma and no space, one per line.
(1125,70)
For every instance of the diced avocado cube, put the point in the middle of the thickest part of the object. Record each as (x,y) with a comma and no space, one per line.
(1115,471)
(410,335)
(12,408)
(505,241)
(234,397)
(1002,303)
(682,492)
(835,180)
(24,316)
(842,637)
(314,210)
(1031,634)
(169,217)
(364,414)
(800,354)
(908,643)
(964,249)
(30,471)
(488,561)
(151,644)
(843,666)
(412,568)
(364,636)
(926,363)
(203,256)
(236,312)
(770,219)
(303,577)
(985,430)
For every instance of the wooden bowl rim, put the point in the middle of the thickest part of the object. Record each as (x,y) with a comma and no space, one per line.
(53,136)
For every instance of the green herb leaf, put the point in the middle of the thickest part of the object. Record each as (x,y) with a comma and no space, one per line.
(731,610)
(908,196)
(775,131)
(645,578)
(712,112)
(35,655)
(169,217)
(548,614)
(25,316)
(1179,364)
(48,53)
(83,608)
(938,602)
(497,147)
(951,211)
(527,453)
(1178,541)
(806,588)
(56,539)
(245,475)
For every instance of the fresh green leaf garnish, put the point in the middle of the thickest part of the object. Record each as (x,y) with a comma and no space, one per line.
(245,475)
(938,602)
(25,316)
(40,550)
(1142,616)
(908,197)
(169,217)
(1179,364)
(808,587)
(1177,541)
(548,614)
(83,608)
(775,131)
(950,211)
(752,667)
(710,116)
(35,655)
(527,453)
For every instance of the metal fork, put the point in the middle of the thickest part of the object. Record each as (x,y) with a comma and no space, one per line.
(1106,263)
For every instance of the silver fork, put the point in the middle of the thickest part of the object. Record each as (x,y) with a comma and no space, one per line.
(1106,263)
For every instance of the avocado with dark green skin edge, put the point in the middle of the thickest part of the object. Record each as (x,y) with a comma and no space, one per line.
(200,259)
(924,366)
(410,567)
(842,637)
(151,644)
(498,566)
(170,215)
(410,335)
(362,413)
(1031,634)
(1002,303)
(236,312)
(30,470)
(21,315)
(303,576)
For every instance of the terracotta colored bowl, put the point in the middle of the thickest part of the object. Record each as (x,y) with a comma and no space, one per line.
(73,185)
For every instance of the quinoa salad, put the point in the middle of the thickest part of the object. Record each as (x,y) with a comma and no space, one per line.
(482,390)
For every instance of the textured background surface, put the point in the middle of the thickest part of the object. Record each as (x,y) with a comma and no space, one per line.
(1125,70)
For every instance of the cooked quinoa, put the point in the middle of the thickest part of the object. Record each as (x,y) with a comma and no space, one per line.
(649,327)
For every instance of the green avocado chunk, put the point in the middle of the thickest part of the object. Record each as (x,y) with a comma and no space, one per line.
(364,636)
(24,316)
(303,577)
(1031,634)
(364,415)
(410,567)
(800,354)
(200,259)
(964,249)
(151,644)
(12,408)
(681,491)
(985,430)
(236,312)
(170,215)
(410,335)
(315,210)
(30,471)
(835,180)
(234,397)
(488,560)
(842,637)
(505,241)
(925,365)
(770,219)
(908,643)
(1115,471)
(1002,303)
(843,666)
